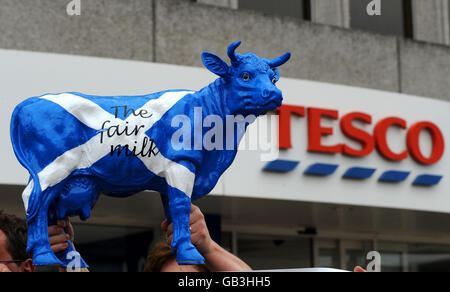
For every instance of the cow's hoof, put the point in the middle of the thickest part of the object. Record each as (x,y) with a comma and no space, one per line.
(46,259)
(187,254)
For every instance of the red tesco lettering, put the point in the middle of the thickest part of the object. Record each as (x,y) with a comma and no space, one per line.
(369,142)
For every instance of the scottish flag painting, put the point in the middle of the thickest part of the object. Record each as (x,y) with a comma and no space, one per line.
(78,146)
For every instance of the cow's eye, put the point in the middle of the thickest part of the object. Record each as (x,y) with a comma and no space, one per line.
(274,80)
(246,77)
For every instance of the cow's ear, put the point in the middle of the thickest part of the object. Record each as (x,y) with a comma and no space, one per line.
(215,64)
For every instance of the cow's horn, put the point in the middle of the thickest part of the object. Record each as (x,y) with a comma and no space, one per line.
(280,60)
(232,52)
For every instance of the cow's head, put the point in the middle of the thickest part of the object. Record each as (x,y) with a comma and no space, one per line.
(250,81)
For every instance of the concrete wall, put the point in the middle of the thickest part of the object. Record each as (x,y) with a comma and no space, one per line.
(425,69)
(177,31)
(320,52)
(105,28)
(431,21)
(234,4)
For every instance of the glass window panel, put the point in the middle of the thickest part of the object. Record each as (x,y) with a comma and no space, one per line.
(355,258)
(428,258)
(113,248)
(329,258)
(392,254)
(356,253)
(293,8)
(391,21)
(412,257)
(227,241)
(266,253)
(391,262)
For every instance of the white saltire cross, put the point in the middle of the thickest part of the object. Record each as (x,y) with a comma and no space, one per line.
(84,156)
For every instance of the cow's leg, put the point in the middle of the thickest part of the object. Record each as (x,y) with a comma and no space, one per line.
(180,209)
(165,202)
(38,241)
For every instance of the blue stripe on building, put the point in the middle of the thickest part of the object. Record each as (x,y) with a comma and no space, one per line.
(359,173)
(281,165)
(321,169)
(427,180)
(394,176)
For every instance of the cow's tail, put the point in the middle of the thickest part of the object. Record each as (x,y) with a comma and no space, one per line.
(33,188)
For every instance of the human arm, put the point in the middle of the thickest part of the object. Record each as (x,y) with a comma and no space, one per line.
(216,258)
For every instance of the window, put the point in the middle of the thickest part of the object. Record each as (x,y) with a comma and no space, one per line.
(329,258)
(412,257)
(220,3)
(395,18)
(113,248)
(428,258)
(294,8)
(270,252)
(341,254)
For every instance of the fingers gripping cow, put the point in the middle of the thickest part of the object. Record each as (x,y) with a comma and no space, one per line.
(78,146)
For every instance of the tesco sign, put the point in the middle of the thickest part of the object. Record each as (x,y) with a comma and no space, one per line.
(369,141)
(354,146)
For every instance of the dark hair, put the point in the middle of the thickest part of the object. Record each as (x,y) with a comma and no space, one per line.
(159,255)
(15,230)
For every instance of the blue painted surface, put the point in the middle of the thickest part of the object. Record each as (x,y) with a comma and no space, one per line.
(41,131)
(281,166)
(359,173)
(428,180)
(394,176)
(321,169)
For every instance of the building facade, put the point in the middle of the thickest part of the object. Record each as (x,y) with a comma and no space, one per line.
(396,63)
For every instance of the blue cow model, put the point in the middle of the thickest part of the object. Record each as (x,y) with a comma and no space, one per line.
(77,146)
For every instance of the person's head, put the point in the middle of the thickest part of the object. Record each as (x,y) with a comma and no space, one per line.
(13,244)
(161,259)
